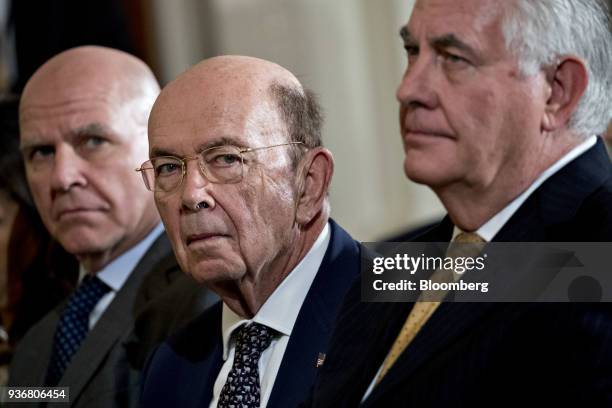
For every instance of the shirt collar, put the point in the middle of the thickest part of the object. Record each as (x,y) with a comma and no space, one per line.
(490,228)
(281,309)
(116,272)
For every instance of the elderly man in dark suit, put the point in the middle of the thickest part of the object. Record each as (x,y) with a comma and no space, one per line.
(241,182)
(499,108)
(83,119)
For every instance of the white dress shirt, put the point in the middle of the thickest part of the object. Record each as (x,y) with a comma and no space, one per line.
(279,312)
(116,273)
(490,228)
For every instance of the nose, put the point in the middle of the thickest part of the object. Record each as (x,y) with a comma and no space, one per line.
(195,189)
(67,170)
(418,86)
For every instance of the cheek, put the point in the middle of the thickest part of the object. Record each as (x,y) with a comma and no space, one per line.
(124,189)
(264,217)
(477,121)
(165,207)
(169,214)
(41,193)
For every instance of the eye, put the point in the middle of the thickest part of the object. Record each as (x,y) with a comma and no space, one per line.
(93,142)
(166,167)
(453,58)
(224,160)
(41,153)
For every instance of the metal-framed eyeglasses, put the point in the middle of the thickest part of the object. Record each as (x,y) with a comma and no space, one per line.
(219,164)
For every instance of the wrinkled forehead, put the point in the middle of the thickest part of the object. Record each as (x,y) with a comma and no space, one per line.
(48,110)
(475,26)
(186,117)
(474,16)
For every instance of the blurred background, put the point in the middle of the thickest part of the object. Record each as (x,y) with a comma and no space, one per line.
(347,51)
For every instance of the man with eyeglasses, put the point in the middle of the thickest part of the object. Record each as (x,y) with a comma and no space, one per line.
(83,118)
(241,181)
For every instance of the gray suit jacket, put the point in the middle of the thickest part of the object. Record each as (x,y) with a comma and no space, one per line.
(105,371)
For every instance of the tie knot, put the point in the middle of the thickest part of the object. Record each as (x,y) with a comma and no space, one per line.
(466,244)
(252,340)
(87,295)
(468,238)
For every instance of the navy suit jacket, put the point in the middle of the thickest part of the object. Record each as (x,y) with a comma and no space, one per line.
(493,354)
(183,370)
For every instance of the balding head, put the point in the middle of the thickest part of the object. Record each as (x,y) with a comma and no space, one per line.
(111,74)
(83,118)
(253,209)
(231,77)
(249,81)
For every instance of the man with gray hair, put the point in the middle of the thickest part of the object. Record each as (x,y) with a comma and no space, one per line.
(499,108)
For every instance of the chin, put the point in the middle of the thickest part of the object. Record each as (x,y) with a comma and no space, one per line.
(83,248)
(213,271)
(85,241)
(427,174)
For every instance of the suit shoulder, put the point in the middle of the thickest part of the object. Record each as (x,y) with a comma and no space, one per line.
(595,213)
(200,336)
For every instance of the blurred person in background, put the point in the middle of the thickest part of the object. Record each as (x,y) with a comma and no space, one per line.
(35,272)
(83,125)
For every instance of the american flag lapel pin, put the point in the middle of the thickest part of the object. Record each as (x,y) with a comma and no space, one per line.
(320,360)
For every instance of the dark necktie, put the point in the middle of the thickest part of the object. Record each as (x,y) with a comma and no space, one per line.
(242,388)
(74,325)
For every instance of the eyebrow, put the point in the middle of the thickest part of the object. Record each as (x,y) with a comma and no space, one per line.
(91,129)
(445,41)
(220,141)
(451,41)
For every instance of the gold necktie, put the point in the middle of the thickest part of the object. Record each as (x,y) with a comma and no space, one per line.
(471,244)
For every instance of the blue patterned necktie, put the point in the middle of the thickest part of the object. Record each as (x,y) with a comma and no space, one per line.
(242,388)
(74,325)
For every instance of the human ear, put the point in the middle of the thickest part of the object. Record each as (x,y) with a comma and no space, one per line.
(313,179)
(568,82)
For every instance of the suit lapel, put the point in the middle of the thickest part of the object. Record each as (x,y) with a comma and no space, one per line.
(363,343)
(313,326)
(114,324)
(449,322)
(36,354)
(439,330)
(200,349)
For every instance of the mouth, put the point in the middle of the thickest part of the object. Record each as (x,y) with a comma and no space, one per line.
(416,136)
(74,212)
(205,237)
